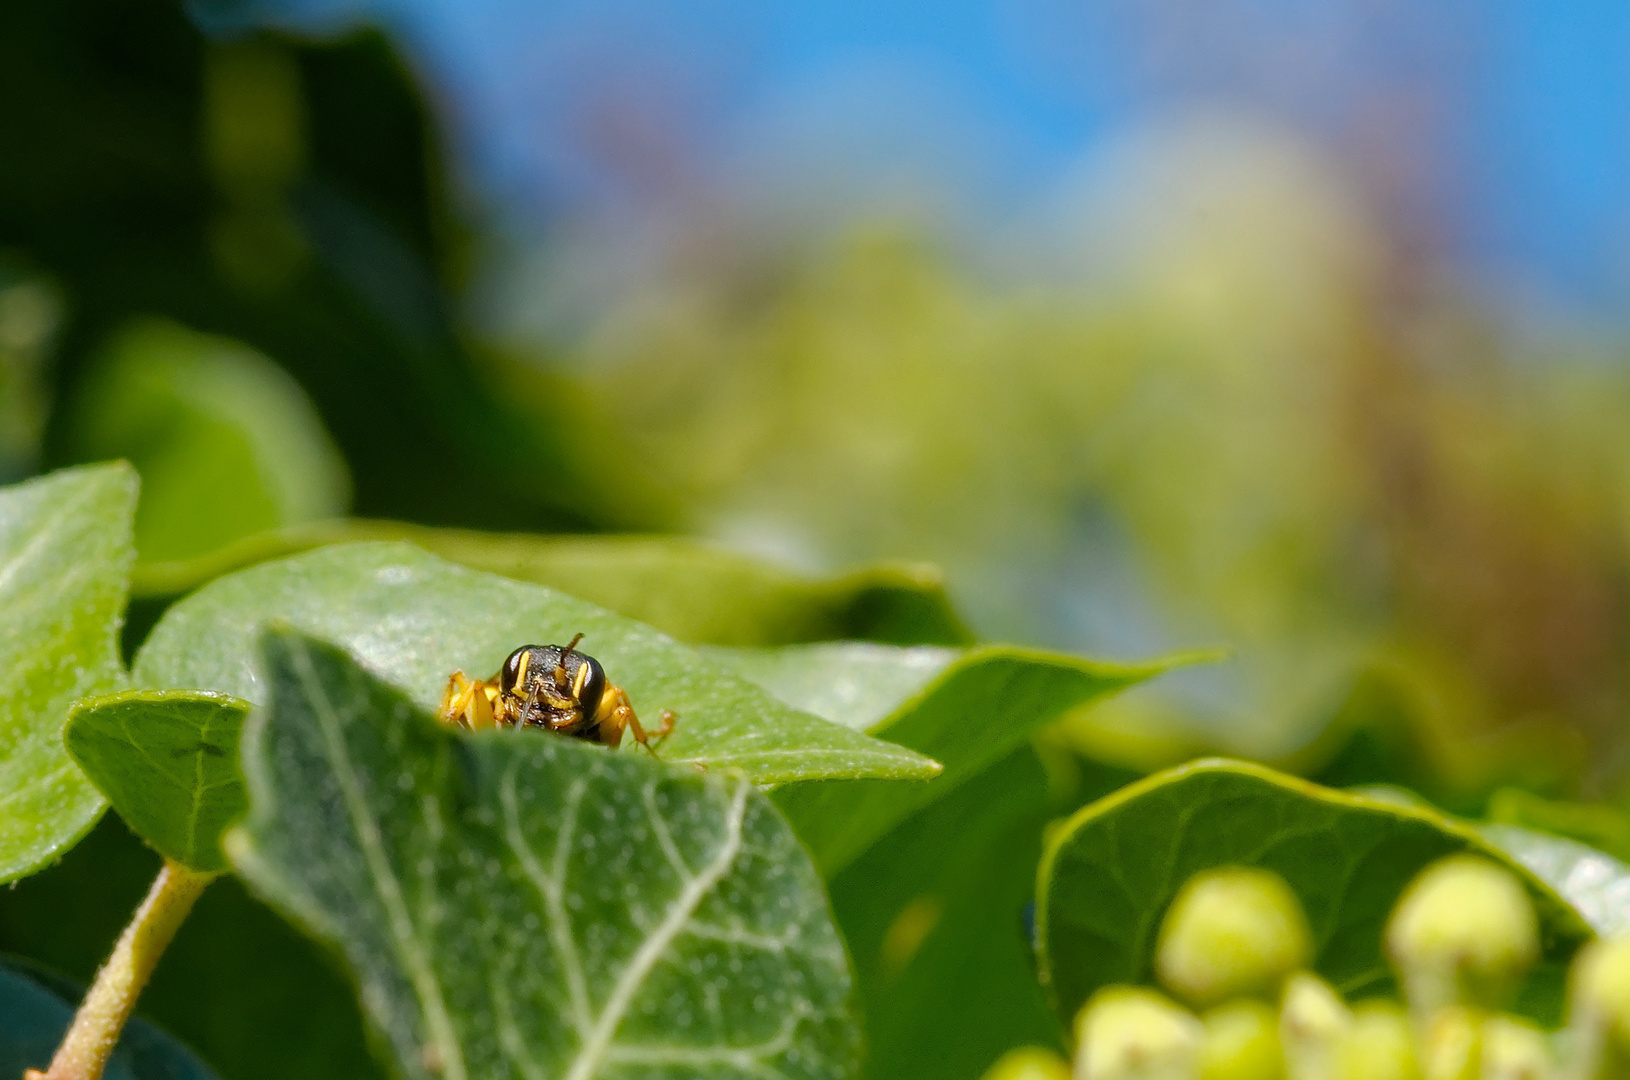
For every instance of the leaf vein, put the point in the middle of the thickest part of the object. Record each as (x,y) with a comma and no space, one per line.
(650,952)
(550,887)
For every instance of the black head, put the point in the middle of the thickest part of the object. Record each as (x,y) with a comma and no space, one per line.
(556,677)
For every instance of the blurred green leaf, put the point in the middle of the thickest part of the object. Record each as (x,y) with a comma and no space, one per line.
(35,1010)
(1110,871)
(966,710)
(226,443)
(413,619)
(536,906)
(1595,883)
(1606,828)
(65,558)
(934,916)
(257,999)
(168,762)
(687,589)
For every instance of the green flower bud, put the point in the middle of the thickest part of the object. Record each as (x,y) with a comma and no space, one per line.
(1515,1050)
(1230,933)
(1029,1063)
(1464,932)
(1379,1045)
(1599,1010)
(1241,1043)
(1313,1021)
(1131,1033)
(1452,1044)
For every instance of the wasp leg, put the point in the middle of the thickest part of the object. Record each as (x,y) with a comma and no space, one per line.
(616,715)
(456,700)
(467,703)
(644,737)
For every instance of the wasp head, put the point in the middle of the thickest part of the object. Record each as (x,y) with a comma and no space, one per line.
(554,686)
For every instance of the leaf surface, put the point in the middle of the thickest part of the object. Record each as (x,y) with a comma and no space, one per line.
(1112,869)
(168,762)
(413,619)
(65,555)
(1595,883)
(35,1010)
(687,589)
(965,709)
(514,904)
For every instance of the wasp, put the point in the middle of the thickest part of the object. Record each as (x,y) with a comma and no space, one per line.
(554,687)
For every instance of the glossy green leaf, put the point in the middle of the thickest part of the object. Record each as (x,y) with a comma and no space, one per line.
(514,904)
(65,555)
(930,881)
(687,589)
(35,1010)
(168,762)
(966,709)
(226,443)
(413,619)
(1110,871)
(1595,883)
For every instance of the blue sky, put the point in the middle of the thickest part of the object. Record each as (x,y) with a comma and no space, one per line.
(1510,119)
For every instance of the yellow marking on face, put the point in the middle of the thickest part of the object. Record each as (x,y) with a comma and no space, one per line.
(523,668)
(580,681)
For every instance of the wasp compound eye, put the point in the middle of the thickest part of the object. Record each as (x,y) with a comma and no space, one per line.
(518,668)
(587,679)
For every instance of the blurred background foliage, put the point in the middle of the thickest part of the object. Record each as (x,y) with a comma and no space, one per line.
(1294,330)
(1219,381)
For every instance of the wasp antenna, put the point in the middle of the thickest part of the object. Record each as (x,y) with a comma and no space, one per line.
(572,646)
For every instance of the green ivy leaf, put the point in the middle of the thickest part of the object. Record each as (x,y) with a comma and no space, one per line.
(687,589)
(168,762)
(35,1010)
(65,555)
(226,442)
(514,904)
(1112,869)
(966,709)
(413,619)
(1595,883)
(929,881)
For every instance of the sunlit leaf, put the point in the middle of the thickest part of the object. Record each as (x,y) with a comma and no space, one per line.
(65,556)
(516,904)
(1596,884)
(1111,870)
(413,619)
(930,881)
(35,1010)
(168,762)
(965,709)
(686,589)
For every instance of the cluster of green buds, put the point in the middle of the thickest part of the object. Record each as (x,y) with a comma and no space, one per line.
(1240,1002)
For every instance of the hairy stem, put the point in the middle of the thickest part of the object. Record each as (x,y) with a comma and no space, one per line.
(90,1041)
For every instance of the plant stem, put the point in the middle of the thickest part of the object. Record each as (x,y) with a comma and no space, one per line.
(90,1041)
